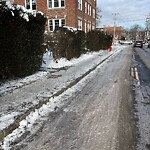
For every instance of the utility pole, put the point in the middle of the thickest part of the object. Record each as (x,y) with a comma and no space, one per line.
(115,19)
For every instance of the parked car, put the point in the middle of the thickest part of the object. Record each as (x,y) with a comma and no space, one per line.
(138,44)
(148,44)
(126,42)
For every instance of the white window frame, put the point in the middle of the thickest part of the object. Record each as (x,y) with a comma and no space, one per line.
(53,23)
(85,26)
(53,4)
(93,27)
(31,4)
(88,9)
(79,24)
(80,4)
(94,12)
(85,7)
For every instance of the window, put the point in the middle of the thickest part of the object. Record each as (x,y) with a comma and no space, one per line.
(62,3)
(93,13)
(85,28)
(93,27)
(79,24)
(55,23)
(85,7)
(30,4)
(62,22)
(51,25)
(56,3)
(34,4)
(88,26)
(88,9)
(80,4)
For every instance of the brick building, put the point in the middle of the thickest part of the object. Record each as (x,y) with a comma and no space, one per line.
(79,14)
(110,30)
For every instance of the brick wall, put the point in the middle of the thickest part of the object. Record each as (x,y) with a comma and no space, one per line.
(42,6)
(20,2)
(70,12)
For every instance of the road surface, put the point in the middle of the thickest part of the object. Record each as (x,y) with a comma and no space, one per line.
(98,116)
(141,90)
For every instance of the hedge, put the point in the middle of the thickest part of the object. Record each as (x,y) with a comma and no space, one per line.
(96,40)
(66,43)
(20,41)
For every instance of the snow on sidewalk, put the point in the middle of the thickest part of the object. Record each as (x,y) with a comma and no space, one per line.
(37,87)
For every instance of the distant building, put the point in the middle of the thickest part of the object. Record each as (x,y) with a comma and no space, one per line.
(110,30)
(80,14)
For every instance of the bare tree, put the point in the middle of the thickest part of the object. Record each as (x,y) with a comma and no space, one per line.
(98,16)
(137,32)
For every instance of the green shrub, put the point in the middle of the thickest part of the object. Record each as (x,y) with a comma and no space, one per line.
(92,40)
(20,41)
(96,40)
(65,43)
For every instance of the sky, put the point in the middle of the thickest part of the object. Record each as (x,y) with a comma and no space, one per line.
(129,12)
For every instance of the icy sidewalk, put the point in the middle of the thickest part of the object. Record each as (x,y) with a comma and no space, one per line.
(33,94)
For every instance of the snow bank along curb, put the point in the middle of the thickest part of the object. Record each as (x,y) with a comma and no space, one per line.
(15,124)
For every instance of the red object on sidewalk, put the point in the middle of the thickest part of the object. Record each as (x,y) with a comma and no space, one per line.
(110,49)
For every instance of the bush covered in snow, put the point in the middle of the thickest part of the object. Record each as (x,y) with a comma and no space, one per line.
(66,43)
(96,40)
(21,37)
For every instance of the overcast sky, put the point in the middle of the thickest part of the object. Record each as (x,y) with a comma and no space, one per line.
(129,12)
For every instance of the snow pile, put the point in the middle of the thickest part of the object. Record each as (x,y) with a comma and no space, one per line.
(72,29)
(63,62)
(7,119)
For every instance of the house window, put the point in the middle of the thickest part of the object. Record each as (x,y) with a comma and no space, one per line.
(88,9)
(79,24)
(55,23)
(85,7)
(62,22)
(80,4)
(62,3)
(93,13)
(51,25)
(30,4)
(50,3)
(85,27)
(93,27)
(56,3)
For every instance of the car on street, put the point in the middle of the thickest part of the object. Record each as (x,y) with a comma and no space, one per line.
(138,43)
(148,44)
(126,42)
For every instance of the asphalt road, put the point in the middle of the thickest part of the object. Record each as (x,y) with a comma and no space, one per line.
(97,116)
(141,90)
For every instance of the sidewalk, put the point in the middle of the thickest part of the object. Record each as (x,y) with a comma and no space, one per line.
(30,95)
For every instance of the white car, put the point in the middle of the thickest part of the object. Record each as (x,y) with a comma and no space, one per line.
(127,42)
